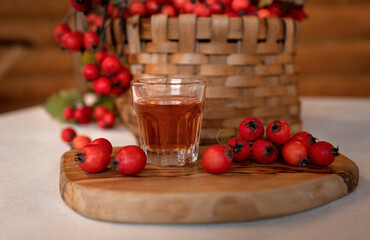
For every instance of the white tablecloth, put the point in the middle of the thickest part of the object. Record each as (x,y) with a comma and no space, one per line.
(31,206)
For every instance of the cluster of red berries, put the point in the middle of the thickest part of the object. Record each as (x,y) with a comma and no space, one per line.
(115,78)
(76,40)
(205,8)
(297,150)
(84,115)
(95,156)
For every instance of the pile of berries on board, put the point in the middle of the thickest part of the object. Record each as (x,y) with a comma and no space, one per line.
(301,149)
(95,156)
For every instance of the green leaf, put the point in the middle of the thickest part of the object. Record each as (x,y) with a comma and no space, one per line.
(108,101)
(57,102)
(264,3)
(87,57)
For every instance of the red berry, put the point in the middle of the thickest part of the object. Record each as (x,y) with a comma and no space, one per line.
(68,113)
(102,85)
(130,160)
(264,151)
(152,6)
(276,9)
(111,64)
(104,143)
(323,153)
(240,148)
(263,13)
(189,6)
(92,158)
(60,30)
(99,111)
(297,13)
(100,56)
(91,71)
(68,134)
(73,41)
(81,5)
(278,132)
(91,40)
(80,141)
(202,11)
(239,5)
(178,4)
(294,153)
(121,81)
(215,6)
(83,115)
(230,13)
(217,159)
(251,129)
(137,8)
(305,138)
(168,10)
(108,119)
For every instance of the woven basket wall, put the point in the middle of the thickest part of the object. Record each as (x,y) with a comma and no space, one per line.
(248,64)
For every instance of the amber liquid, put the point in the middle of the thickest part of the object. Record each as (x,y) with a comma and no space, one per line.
(169,124)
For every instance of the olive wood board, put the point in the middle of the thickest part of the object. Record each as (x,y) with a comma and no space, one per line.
(248,191)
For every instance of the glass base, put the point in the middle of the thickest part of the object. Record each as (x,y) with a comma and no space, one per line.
(172,158)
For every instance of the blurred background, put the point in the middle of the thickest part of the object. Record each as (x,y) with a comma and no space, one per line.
(333,57)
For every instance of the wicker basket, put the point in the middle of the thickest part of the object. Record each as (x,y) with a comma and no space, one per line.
(248,64)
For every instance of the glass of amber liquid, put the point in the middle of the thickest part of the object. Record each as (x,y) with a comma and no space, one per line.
(169,113)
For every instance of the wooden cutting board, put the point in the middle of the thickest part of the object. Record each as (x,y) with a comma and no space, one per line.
(248,191)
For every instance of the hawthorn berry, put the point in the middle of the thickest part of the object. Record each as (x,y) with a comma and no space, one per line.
(80,141)
(91,40)
(111,64)
(81,5)
(240,148)
(152,6)
(68,113)
(73,41)
(107,120)
(263,13)
(100,56)
(323,153)
(99,111)
(305,138)
(137,8)
(294,153)
(68,134)
(90,71)
(168,10)
(239,5)
(216,6)
(83,115)
(92,158)
(102,85)
(264,151)
(278,132)
(217,159)
(130,160)
(60,30)
(189,6)
(202,10)
(104,143)
(251,129)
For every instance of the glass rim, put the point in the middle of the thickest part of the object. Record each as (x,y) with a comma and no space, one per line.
(167,81)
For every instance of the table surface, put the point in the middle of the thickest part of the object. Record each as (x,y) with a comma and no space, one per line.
(31,206)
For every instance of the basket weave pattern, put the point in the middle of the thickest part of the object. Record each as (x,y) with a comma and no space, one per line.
(248,64)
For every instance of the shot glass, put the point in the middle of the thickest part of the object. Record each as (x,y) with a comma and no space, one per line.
(169,113)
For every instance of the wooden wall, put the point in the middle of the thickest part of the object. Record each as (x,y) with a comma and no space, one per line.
(334,55)
(38,67)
